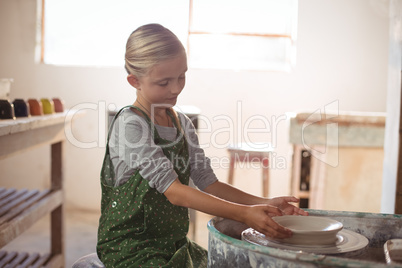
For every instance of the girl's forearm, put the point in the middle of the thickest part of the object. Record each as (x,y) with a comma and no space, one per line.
(230,193)
(255,216)
(182,195)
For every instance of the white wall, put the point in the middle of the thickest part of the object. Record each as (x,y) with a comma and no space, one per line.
(342,54)
(392,141)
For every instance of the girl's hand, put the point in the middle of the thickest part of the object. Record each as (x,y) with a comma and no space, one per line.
(258,218)
(288,209)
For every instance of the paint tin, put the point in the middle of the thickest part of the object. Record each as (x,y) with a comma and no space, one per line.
(35,107)
(48,106)
(21,108)
(58,105)
(6,110)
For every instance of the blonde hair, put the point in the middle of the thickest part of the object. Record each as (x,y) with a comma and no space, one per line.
(148,45)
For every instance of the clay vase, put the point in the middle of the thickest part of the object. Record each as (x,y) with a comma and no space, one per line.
(58,105)
(21,108)
(48,106)
(35,107)
(6,110)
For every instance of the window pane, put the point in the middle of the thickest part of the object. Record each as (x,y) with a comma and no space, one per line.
(251,16)
(221,34)
(94,32)
(239,52)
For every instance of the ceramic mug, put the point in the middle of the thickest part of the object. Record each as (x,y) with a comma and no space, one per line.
(21,108)
(35,107)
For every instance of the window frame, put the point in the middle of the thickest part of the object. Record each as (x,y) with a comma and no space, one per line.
(42,46)
(291,37)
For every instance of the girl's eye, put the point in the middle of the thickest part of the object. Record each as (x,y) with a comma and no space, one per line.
(163,84)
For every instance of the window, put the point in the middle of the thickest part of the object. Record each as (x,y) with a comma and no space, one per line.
(95,32)
(225,34)
(252,34)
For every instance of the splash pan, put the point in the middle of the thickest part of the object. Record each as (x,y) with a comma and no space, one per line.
(346,241)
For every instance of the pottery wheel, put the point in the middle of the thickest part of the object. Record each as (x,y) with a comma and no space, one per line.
(347,241)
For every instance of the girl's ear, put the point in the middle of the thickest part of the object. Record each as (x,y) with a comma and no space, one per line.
(133,81)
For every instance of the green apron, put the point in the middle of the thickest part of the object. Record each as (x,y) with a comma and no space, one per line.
(138,226)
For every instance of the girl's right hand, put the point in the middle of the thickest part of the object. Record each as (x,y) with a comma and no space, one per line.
(257,217)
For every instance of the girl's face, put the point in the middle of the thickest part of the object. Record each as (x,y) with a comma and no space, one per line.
(164,81)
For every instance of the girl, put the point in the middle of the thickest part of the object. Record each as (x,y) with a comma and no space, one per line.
(151,154)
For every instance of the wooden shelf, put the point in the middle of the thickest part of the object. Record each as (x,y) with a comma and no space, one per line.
(23,124)
(31,260)
(20,209)
(17,136)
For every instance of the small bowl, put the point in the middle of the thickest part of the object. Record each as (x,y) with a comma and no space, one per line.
(310,230)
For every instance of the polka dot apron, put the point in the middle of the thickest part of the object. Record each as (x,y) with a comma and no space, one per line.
(138,226)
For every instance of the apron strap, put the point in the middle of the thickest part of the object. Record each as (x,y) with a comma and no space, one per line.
(120,111)
(114,119)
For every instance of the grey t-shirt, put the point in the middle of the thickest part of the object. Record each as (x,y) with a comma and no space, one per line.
(131,147)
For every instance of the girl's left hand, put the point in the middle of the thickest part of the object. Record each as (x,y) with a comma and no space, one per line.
(288,209)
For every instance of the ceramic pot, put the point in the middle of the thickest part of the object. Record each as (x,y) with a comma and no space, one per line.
(58,105)
(35,107)
(48,106)
(21,108)
(6,110)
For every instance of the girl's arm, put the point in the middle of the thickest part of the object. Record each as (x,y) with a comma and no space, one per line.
(255,216)
(230,193)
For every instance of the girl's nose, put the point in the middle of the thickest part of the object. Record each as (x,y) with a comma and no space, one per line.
(177,90)
(178,87)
